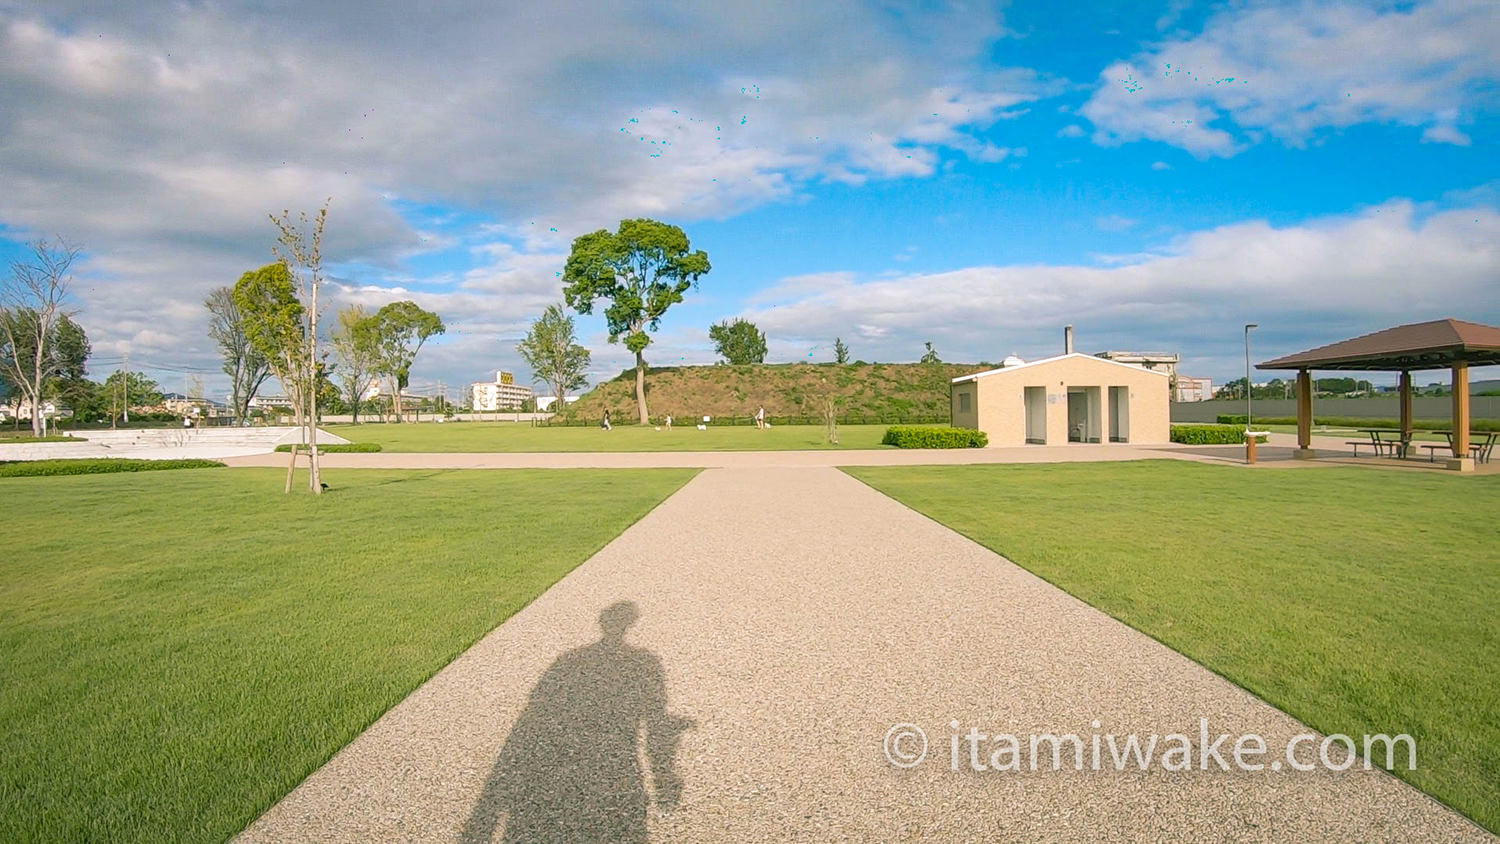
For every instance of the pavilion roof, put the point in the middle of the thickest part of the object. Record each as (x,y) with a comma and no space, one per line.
(1421,345)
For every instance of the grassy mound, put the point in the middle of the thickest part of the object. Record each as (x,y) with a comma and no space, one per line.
(862,392)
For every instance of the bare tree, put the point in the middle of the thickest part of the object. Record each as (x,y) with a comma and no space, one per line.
(300,248)
(246,367)
(356,342)
(33,308)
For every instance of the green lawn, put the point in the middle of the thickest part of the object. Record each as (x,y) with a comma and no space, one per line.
(1360,601)
(180,649)
(512,436)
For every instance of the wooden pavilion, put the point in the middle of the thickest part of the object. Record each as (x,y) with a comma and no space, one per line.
(1440,344)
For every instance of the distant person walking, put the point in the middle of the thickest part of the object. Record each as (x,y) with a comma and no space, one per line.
(604,423)
(669,421)
(760,418)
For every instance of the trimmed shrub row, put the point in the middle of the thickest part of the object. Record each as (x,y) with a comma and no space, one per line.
(97,466)
(903,436)
(349,448)
(1210,434)
(1361,422)
(7,439)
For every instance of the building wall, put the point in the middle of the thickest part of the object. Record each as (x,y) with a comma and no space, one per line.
(965,410)
(1002,409)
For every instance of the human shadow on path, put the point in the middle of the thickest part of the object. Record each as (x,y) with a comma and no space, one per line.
(571,769)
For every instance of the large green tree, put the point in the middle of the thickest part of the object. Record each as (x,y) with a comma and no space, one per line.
(549,348)
(38,339)
(738,341)
(356,343)
(246,367)
(402,328)
(272,318)
(643,268)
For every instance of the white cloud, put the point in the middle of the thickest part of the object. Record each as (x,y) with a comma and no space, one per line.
(160,136)
(1114,223)
(1160,165)
(1290,70)
(1305,284)
(1445,133)
(1072,130)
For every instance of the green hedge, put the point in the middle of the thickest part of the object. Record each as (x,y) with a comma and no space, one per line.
(1361,422)
(97,466)
(350,448)
(6,439)
(903,436)
(1210,434)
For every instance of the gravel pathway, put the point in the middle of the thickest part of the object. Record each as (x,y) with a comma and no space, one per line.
(727,669)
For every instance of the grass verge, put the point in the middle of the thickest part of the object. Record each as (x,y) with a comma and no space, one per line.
(183,649)
(1360,602)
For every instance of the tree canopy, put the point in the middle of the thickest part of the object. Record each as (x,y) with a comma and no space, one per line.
(246,367)
(642,269)
(738,341)
(402,327)
(356,342)
(549,349)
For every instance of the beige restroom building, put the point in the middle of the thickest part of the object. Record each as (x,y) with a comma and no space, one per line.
(1071,398)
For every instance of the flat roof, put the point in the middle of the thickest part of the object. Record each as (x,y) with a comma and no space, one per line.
(1437,344)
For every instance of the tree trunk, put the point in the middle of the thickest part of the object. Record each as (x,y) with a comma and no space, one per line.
(315,477)
(640,387)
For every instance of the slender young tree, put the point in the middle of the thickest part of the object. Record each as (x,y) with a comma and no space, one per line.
(247,368)
(299,247)
(34,309)
(840,351)
(555,359)
(274,324)
(643,268)
(356,343)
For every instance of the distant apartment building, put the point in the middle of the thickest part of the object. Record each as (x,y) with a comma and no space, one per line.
(1189,388)
(1154,361)
(502,394)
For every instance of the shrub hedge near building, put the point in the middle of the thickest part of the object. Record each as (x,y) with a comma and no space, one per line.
(907,436)
(1206,434)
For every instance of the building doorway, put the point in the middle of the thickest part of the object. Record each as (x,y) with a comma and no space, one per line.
(1119,414)
(1036,415)
(1083,414)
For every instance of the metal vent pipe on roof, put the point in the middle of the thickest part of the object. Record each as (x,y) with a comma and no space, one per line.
(1067,339)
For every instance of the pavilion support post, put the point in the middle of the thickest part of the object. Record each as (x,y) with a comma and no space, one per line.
(1406,414)
(1461,460)
(1304,415)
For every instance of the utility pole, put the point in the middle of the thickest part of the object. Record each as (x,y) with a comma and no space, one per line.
(125,386)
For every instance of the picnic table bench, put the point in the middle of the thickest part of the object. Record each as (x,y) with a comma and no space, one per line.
(1381,442)
(1481,445)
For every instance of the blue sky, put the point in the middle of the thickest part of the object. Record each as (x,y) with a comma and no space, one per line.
(975,175)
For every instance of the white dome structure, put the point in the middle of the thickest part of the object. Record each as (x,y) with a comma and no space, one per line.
(1011,360)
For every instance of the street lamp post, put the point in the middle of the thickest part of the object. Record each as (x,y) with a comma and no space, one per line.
(1248,390)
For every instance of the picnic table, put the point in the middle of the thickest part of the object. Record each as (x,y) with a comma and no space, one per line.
(1383,440)
(1481,445)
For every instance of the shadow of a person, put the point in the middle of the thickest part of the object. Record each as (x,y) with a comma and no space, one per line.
(571,769)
